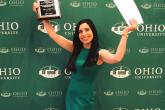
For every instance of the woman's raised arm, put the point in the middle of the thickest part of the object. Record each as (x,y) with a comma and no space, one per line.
(110,58)
(60,40)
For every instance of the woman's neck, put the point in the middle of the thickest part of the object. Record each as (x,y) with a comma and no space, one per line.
(88,46)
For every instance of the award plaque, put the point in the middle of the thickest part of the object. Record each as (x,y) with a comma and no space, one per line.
(49,9)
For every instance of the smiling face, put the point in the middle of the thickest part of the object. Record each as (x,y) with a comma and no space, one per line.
(85,35)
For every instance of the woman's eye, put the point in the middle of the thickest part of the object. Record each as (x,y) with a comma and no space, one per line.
(87,29)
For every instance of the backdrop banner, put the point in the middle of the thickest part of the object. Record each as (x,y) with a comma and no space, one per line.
(32,65)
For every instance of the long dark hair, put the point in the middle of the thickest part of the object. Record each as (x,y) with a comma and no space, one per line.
(77,44)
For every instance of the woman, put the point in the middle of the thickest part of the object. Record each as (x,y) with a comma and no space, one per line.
(86,58)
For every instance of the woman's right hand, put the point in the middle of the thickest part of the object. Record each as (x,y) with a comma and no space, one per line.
(35,7)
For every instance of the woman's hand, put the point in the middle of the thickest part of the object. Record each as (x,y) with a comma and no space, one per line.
(35,7)
(133,26)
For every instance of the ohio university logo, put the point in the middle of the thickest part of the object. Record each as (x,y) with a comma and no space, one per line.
(155,5)
(10,73)
(110,5)
(118,28)
(119,108)
(149,108)
(140,73)
(144,50)
(9,28)
(5,94)
(51,108)
(4,50)
(50,72)
(151,30)
(150,92)
(12,3)
(120,72)
(55,26)
(146,5)
(84,4)
(148,73)
(3,3)
(75,4)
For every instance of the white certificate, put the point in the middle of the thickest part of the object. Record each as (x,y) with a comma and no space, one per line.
(129,10)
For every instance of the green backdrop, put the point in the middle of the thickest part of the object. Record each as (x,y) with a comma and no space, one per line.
(32,66)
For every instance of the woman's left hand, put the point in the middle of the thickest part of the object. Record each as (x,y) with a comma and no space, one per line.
(133,26)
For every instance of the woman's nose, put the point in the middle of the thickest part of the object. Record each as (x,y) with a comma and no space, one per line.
(83,33)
